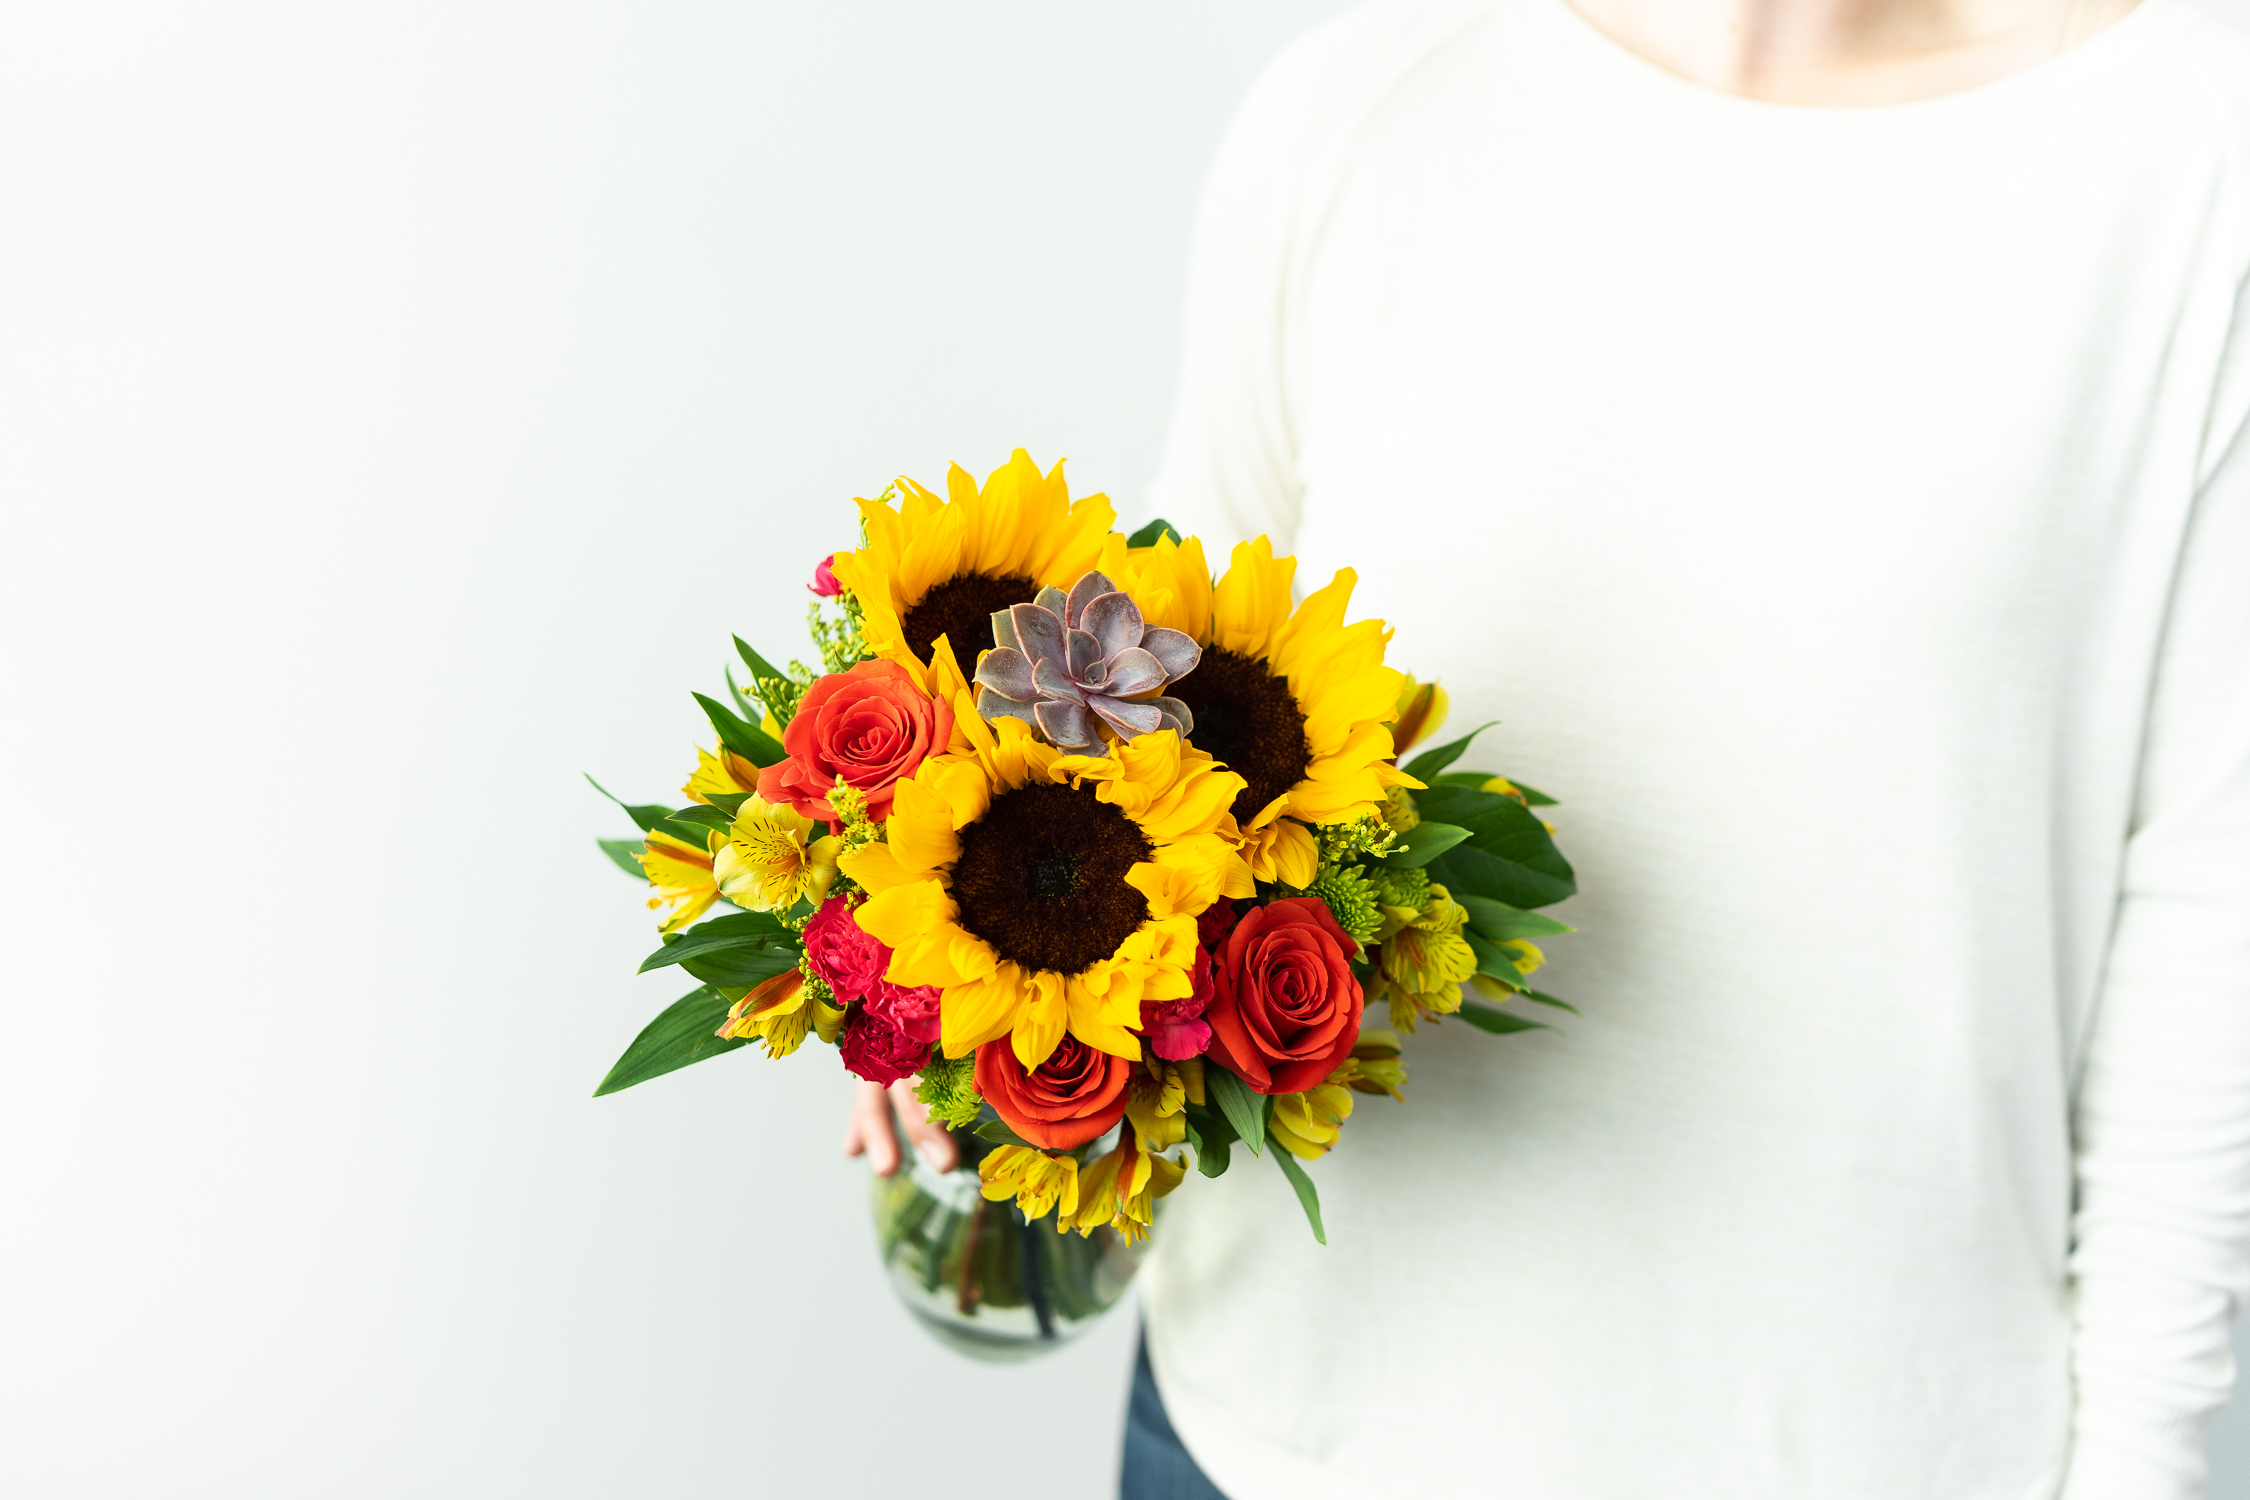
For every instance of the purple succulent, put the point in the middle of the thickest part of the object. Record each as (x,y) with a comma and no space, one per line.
(1065,660)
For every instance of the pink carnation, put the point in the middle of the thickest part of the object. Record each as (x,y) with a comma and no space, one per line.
(1175,1029)
(848,961)
(877,1052)
(824,578)
(912,1012)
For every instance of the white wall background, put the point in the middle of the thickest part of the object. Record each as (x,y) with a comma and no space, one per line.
(399,406)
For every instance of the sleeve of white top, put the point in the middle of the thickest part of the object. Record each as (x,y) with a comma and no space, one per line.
(2160,1259)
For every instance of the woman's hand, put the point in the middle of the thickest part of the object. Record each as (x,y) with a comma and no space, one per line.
(869,1128)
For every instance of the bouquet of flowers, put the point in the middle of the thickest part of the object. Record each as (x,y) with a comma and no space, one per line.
(1111,854)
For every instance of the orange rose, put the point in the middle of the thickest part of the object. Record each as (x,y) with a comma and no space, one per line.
(1075,1095)
(868,728)
(1286,1007)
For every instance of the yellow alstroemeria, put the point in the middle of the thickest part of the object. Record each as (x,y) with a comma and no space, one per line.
(768,862)
(723,773)
(1120,1188)
(1381,1069)
(1155,1100)
(1421,711)
(680,876)
(1036,1181)
(1422,965)
(779,1012)
(1308,1124)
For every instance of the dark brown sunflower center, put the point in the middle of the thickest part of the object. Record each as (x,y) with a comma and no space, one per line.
(1042,877)
(961,610)
(1247,717)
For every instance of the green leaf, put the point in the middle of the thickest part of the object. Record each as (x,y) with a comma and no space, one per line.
(1308,1196)
(722,935)
(1492,960)
(1532,794)
(1422,767)
(644,815)
(686,1033)
(1473,779)
(1210,1149)
(1471,871)
(1509,857)
(1502,923)
(693,826)
(729,803)
(1243,1106)
(1423,843)
(996,1131)
(758,665)
(1551,1000)
(740,735)
(1147,536)
(621,852)
(752,710)
(1495,1020)
(741,965)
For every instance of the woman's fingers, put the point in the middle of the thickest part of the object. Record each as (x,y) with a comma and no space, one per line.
(922,1133)
(868,1129)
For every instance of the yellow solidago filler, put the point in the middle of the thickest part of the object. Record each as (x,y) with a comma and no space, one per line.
(769,862)
(1037,1181)
(680,876)
(1421,710)
(940,569)
(1046,893)
(1422,966)
(723,772)
(1381,1069)
(1308,1124)
(779,1011)
(1290,697)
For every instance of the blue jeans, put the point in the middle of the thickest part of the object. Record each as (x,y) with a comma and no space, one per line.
(1157,1467)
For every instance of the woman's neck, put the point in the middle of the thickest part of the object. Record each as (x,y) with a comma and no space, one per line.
(1848,53)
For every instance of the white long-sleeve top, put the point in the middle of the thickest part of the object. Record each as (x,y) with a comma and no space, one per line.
(1847,513)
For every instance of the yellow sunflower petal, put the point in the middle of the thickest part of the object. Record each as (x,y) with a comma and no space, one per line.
(1252,600)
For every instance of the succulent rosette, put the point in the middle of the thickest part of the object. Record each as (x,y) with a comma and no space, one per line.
(1067,662)
(1109,856)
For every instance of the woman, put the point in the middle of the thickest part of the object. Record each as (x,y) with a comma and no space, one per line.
(1847,509)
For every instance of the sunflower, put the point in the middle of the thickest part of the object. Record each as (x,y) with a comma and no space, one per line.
(938,570)
(1293,700)
(1046,893)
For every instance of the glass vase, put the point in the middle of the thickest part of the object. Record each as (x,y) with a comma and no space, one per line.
(978,1275)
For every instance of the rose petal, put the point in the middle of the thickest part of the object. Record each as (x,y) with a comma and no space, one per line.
(1115,621)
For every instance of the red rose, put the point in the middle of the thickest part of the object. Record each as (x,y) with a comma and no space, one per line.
(868,728)
(1075,1095)
(1287,1006)
(877,1052)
